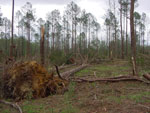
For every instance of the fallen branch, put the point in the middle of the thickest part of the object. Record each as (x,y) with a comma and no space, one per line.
(148,108)
(16,106)
(113,79)
(146,76)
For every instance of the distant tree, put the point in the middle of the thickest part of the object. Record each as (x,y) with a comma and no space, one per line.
(122,37)
(1,20)
(143,19)
(54,18)
(29,17)
(6,27)
(19,16)
(73,11)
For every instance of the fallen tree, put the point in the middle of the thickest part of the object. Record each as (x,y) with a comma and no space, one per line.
(71,72)
(65,66)
(111,79)
(147,76)
(30,80)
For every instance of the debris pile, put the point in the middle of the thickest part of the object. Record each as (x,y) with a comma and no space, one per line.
(31,80)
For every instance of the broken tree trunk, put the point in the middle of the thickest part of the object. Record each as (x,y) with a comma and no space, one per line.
(146,76)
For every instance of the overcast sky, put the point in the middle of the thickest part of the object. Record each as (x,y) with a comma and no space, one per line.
(96,7)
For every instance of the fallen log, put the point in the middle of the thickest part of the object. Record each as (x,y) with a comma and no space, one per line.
(115,79)
(71,72)
(146,76)
(66,66)
(14,105)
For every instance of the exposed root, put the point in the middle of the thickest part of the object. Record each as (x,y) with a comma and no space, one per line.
(58,72)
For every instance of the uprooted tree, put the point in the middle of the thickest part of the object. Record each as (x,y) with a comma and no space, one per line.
(31,80)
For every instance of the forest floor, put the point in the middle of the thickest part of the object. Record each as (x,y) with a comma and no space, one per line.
(96,97)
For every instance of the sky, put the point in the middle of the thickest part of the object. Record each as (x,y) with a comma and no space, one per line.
(96,7)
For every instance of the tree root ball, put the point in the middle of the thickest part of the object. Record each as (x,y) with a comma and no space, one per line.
(31,80)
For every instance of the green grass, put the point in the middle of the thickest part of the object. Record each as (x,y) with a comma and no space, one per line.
(6,111)
(105,70)
(68,96)
(138,98)
(29,107)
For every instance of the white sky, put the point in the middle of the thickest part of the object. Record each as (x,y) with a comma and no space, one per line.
(96,7)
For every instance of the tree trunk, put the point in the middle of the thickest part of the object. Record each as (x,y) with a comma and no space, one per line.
(127,30)
(12,32)
(28,42)
(89,34)
(5,39)
(133,40)
(72,35)
(122,38)
(22,48)
(143,42)
(115,44)
(75,35)
(42,46)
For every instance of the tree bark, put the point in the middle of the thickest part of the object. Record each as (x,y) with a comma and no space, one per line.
(133,40)
(71,72)
(42,46)
(122,38)
(126,30)
(28,42)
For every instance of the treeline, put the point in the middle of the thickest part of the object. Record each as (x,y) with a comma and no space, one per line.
(75,33)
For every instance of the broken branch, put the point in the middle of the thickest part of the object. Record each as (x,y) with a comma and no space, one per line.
(16,106)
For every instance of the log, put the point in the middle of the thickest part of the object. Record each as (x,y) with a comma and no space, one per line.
(66,66)
(71,72)
(115,79)
(16,106)
(147,76)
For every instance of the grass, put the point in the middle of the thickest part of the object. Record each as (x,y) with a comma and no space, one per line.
(68,97)
(105,70)
(138,98)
